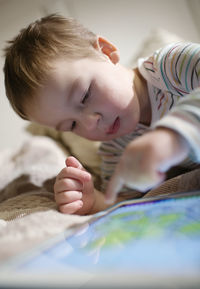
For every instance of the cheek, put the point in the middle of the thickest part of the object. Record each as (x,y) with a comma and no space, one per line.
(88,136)
(116,101)
(120,95)
(111,96)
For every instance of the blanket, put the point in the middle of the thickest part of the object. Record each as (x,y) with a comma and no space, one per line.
(28,212)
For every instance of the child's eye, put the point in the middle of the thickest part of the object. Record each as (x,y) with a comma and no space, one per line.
(86,96)
(73,125)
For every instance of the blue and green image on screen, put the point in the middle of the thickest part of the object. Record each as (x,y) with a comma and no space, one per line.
(160,235)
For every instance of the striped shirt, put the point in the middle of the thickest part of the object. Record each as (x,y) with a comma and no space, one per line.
(173,78)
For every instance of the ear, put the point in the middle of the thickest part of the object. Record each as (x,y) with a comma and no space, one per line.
(107,48)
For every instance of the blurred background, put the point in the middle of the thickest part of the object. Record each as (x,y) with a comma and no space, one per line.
(127,23)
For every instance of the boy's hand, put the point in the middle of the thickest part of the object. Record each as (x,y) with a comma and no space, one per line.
(145,161)
(74,189)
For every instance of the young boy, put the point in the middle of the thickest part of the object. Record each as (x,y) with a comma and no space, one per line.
(59,74)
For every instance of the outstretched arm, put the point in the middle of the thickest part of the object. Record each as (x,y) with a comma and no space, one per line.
(145,160)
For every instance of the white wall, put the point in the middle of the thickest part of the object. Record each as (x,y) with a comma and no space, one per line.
(125,22)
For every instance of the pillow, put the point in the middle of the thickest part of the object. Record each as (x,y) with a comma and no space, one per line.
(158,38)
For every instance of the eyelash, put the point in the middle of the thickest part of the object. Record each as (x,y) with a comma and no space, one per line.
(85,98)
(73,125)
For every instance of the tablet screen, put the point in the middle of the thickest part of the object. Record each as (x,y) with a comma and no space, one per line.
(160,235)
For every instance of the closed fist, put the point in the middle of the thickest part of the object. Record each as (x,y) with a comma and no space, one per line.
(74,189)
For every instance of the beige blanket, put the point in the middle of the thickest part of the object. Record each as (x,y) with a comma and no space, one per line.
(28,213)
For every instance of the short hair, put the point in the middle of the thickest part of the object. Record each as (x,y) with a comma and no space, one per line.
(28,57)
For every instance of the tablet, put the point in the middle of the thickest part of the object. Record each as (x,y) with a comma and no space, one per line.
(152,242)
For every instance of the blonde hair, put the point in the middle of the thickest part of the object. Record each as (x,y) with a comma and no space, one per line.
(29,56)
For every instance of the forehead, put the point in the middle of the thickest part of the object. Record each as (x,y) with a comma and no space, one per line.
(65,72)
(64,77)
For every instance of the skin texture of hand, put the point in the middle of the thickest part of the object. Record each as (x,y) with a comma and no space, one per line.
(145,161)
(74,189)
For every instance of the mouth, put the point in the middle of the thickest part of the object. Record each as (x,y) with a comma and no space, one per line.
(114,127)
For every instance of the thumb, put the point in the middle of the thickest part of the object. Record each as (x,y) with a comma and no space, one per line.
(114,186)
(73,162)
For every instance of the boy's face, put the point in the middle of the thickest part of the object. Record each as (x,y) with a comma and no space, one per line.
(94,99)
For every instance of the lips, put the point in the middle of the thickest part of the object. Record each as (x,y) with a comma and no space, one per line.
(114,127)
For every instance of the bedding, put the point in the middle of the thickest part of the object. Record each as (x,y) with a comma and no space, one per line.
(28,212)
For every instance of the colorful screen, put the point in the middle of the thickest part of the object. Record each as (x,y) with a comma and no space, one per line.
(155,236)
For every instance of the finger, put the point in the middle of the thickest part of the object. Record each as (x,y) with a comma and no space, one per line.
(145,182)
(73,173)
(67,184)
(73,162)
(88,185)
(161,177)
(71,208)
(68,197)
(114,186)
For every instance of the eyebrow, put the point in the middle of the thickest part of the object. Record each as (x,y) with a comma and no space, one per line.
(69,97)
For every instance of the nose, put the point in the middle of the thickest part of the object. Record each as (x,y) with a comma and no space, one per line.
(90,121)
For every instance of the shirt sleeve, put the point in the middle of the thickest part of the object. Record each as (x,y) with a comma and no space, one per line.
(178,68)
(184,118)
(174,68)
